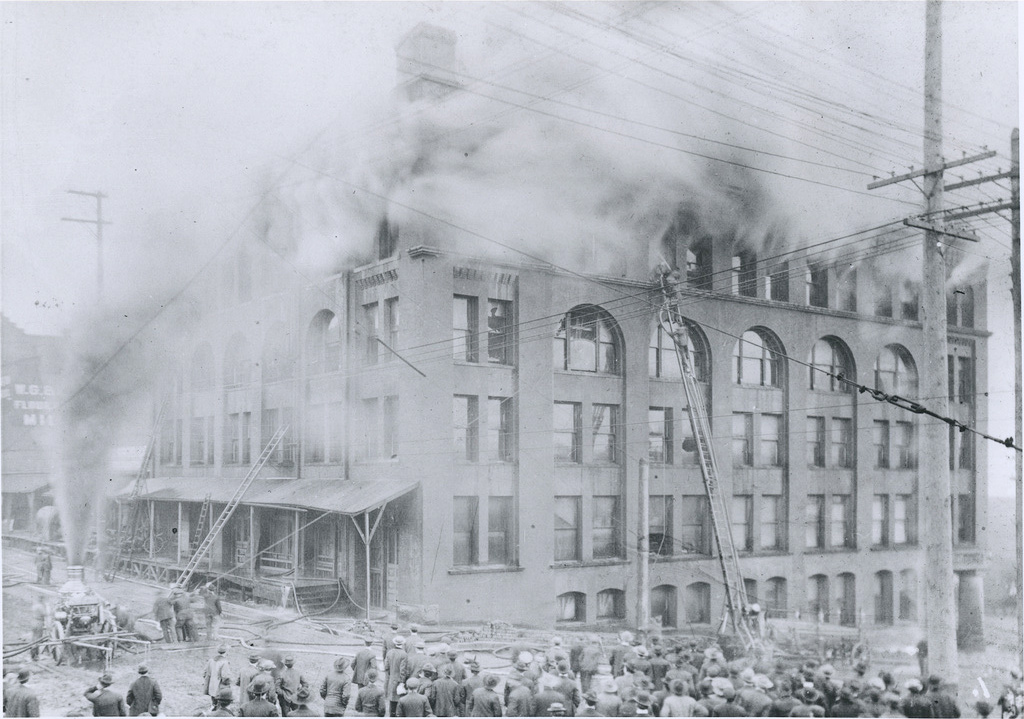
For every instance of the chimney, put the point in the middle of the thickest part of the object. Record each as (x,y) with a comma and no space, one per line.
(427,63)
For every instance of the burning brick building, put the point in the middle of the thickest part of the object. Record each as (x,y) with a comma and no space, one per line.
(465,429)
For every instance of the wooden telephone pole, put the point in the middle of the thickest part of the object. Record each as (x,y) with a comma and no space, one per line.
(99,222)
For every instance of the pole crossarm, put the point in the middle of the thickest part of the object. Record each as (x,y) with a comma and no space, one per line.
(931,227)
(979,180)
(921,173)
(982,209)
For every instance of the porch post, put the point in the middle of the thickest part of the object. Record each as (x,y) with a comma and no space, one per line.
(366,542)
(252,541)
(178,537)
(152,526)
(295,546)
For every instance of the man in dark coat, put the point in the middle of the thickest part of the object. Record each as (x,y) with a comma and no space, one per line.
(258,706)
(370,701)
(302,709)
(412,703)
(485,702)
(183,617)
(246,675)
(212,611)
(364,660)
(943,704)
(566,686)
(458,668)
(334,689)
(289,681)
(445,694)
(44,566)
(19,700)
(223,708)
(520,699)
(144,694)
(469,685)
(106,703)
(163,612)
(396,671)
(915,704)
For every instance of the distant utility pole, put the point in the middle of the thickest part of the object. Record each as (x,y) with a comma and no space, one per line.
(99,222)
(1018,429)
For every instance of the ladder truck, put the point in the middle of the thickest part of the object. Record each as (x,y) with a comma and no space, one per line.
(740,616)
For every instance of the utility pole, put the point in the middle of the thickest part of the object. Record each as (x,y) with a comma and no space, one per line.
(1018,429)
(940,630)
(643,600)
(99,222)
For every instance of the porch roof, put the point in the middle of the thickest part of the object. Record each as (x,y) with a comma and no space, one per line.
(343,496)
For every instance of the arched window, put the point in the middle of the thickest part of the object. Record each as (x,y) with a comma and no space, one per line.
(847,599)
(663,604)
(817,598)
(698,603)
(756,360)
(201,375)
(237,364)
(587,340)
(895,371)
(323,343)
(611,604)
(278,355)
(830,357)
(775,598)
(661,356)
(883,597)
(908,595)
(572,607)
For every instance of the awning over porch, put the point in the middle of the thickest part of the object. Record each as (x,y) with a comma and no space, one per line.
(333,495)
(24,483)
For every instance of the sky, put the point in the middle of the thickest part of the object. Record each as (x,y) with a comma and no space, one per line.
(578,117)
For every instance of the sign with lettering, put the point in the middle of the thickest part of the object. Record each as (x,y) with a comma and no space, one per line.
(27,404)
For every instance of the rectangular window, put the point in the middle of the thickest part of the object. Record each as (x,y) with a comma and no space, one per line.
(880,437)
(771,440)
(371,326)
(605,420)
(391,321)
(906,453)
(909,302)
(742,439)
(567,529)
(567,431)
(272,420)
(499,331)
(167,442)
(814,521)
(883,301)
(389,432)
(499,530)
(903,526)
(965,519)
(606,535)
(464,328)
(464,528)
(466,426)
(316,440)
(370,445)
(335,432)
(817,286)
(966,458)
(772,522)
(742,515)
(880,520)
(197,446)
(744,275)
(499,429)
(660,534)
(696,529)
(778,282)
(842,533)
(659,435)
(232,443)
(816,441)
(842,442)
(965,380)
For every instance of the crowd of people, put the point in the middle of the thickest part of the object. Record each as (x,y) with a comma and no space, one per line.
(667,677)
(176,611)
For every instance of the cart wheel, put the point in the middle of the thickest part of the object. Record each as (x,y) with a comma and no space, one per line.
(57,635)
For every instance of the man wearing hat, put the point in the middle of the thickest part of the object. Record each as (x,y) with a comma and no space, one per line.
(608,701)
(370,701)
(217,670)
(485,702)
(224,699)
(547,695)
(396,671)
(364,661)
(452,660)
(387,636)
(520,697)
(915,704)
(445,694)
(106,703)
(144,694)
(469,685)
(589,707)
(163,612)
(289,681)
(248,673)
(622,653)
(412,703)
(302,696)
(567,687)
(44,566)
(212,610)
(943,704)
(267,674)
(19,700)
(416,649)
(555,709)
(334,689)
(258,706)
